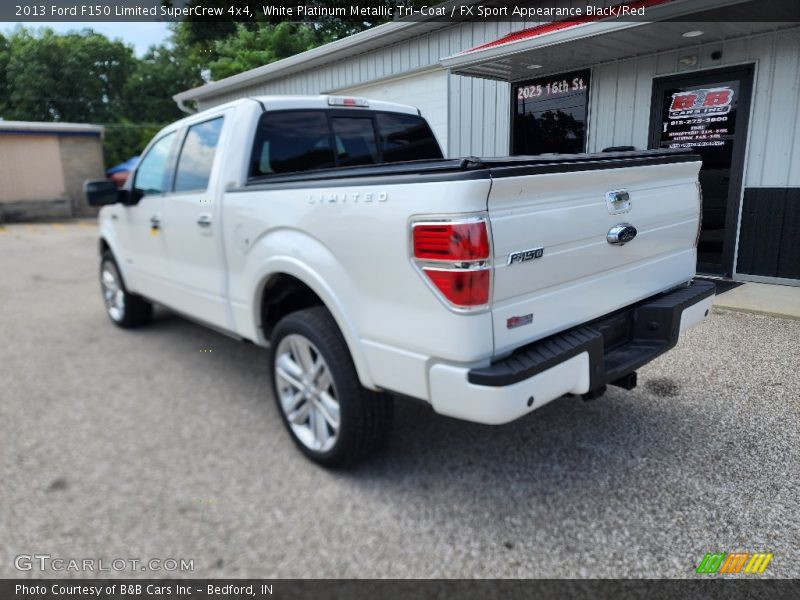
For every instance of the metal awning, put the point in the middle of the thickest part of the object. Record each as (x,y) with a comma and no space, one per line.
(568,45)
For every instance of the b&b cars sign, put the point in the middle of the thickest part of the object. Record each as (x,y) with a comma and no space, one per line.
(700,117)
(702,102)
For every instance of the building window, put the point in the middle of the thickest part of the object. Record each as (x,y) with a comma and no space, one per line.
(550,114)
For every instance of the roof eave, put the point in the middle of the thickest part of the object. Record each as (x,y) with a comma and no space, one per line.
(671,10)
(298,62)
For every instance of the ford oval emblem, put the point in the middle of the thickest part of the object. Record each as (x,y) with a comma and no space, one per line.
(621,234)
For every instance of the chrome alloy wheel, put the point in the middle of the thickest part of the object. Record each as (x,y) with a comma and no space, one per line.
(306,392)
(113,294)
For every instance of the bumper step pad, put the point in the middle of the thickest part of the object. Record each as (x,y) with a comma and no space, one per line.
(617,344)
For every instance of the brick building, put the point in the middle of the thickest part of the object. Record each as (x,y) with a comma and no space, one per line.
(43,167)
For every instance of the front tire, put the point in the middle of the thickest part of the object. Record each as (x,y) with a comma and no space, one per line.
(331,417)
(123,308)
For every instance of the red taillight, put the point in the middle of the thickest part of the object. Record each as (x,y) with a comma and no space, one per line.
(456,257)
(462,287)
(451,241)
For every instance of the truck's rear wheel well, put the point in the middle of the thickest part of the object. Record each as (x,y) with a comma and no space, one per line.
(103,246)
(284,294)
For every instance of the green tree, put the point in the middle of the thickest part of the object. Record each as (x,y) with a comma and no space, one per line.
(251,48)
(213,42)
(334,28)
(126,139)
(147,103)
(194,42)
(77,77)
(84,77)
(4,56)
(160,74)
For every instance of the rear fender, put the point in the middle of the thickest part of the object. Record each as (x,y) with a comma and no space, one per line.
(331,286)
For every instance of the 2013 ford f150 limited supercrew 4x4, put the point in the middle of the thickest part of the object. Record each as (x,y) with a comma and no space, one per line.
(332,231)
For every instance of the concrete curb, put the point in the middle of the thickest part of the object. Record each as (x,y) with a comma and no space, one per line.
(763,299)
(752,311)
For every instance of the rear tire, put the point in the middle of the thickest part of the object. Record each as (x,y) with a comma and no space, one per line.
(331,417)
(125,310)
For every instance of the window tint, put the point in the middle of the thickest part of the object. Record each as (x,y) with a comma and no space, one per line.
(292,141)
(355,141)
(406,137)
(151,174)
(197,156)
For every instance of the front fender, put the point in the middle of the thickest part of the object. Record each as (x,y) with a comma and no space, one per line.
(107,233)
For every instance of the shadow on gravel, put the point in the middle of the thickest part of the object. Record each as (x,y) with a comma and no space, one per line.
(626,449)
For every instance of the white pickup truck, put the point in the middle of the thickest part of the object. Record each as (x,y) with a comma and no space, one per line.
(332,231)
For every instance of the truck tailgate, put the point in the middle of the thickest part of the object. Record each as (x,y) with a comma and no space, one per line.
(554,266)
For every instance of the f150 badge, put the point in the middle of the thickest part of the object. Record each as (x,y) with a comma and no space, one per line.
(525,255)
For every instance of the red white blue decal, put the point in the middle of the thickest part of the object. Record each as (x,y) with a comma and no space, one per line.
(703,102)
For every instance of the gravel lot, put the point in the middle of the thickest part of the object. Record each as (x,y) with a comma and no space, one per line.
(140,444)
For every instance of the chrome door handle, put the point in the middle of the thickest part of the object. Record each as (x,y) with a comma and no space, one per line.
(204,220)
(155,222)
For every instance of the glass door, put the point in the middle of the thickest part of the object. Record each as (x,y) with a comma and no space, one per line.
(708,112)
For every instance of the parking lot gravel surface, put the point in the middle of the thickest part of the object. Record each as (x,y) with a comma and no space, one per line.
(164,442)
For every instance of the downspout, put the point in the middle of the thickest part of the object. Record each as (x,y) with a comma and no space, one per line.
(179,100)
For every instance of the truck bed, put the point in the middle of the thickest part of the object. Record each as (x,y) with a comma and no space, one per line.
(473,168)
(555,207)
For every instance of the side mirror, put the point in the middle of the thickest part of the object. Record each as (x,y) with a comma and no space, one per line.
(100,192)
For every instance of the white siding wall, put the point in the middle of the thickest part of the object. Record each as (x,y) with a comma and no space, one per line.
(427,91)
(485,133)
(405,57)
(621,92)
(479,110)
(620,104)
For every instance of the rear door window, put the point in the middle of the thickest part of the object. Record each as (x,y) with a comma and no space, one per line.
(292,141)
(406,137)
(296,141)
